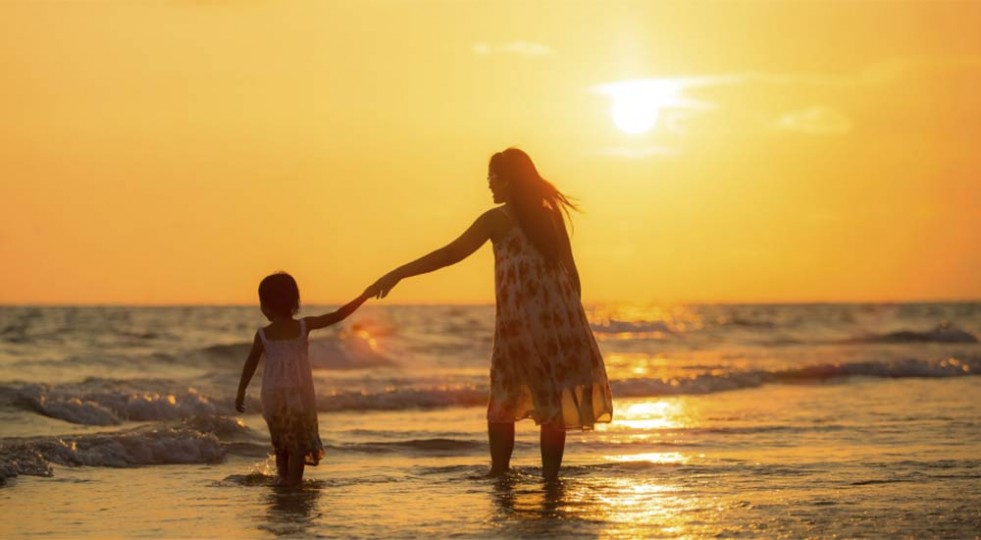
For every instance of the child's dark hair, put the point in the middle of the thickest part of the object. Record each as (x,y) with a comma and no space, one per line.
(279,293)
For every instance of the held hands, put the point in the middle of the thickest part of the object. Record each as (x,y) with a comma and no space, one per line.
(370,292)
(384,285)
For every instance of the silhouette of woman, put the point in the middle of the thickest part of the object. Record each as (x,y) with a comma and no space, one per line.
(545,363)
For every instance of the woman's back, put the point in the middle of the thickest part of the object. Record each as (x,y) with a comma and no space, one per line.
(546,364)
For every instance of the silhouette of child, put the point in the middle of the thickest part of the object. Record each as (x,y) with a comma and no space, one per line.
(288,400)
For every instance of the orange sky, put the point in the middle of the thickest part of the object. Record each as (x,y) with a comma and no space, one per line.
(176,152)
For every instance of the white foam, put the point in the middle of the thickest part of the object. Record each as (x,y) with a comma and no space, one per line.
(125,449)
(98,402)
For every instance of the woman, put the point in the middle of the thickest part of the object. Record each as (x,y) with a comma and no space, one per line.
(545,365)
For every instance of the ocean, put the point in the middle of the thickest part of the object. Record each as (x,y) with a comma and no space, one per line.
(759,421)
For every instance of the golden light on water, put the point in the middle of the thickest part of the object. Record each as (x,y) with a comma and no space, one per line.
(652,415)
(652,420)
(651,457)
(368,338)
(626,321)
(636,508)
(629,507)
(635,365)
(643,506)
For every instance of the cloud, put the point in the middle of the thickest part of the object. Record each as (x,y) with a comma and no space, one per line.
(517,48)
(638,152)
(814,120)
(878,73)
(884,72)
(663,92)
(737,102)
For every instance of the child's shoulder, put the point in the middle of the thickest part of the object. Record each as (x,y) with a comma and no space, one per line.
(283,330)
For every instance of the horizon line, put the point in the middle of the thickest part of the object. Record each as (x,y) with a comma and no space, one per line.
(491,303)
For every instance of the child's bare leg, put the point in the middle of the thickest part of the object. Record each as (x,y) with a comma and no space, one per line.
(296,464)
(501,436)
(553,446)
(282,464)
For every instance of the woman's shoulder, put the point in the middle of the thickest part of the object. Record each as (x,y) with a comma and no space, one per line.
(499,216)
(497,220)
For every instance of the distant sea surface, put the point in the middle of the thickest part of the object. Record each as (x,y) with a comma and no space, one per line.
(730,420)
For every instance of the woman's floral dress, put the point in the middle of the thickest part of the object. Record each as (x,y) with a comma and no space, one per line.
(546,364)
(288,402)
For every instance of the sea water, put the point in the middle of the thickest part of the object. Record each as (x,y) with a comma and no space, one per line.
(730,420)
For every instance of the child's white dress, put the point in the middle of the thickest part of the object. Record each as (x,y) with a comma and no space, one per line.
(289,405)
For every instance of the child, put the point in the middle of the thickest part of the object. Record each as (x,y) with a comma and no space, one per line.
(288,402)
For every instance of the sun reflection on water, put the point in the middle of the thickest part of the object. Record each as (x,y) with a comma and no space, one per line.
(647,319)
(608,507)
(653,415)
(656,414)
(640,365)
(635,508)
(368,338)
(651,457)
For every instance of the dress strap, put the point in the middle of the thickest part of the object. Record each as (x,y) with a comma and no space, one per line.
(303,328)
(262,336)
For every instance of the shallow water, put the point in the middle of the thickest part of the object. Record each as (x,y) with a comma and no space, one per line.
(754,421)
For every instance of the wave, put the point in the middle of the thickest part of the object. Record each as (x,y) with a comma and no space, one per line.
(104,402)
(712,383)
(943,333)
(230,351)
(639,329)
(901,369)
(430,447)
(423,398)
(745,322)
(134,448)
(346,351)
(645,328)
(350,351)
(223,427)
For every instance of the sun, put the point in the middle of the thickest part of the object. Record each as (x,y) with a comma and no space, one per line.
(636,105)
(633,113)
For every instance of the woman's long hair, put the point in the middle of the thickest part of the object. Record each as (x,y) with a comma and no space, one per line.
(538,204)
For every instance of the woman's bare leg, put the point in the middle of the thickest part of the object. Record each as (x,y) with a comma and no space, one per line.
(296,465)
(501,436)
(553,447)
(282,464)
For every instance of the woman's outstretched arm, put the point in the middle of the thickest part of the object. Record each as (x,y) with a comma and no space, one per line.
(475,236)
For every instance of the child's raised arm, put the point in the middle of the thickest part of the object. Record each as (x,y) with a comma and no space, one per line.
(334,317)
(247,371)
